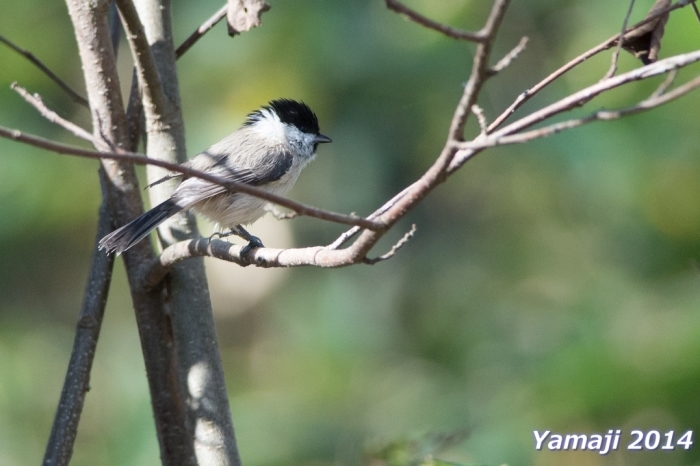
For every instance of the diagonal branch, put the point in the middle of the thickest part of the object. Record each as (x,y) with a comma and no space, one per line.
(394,249)
(331,256)
(449,31)
(510,57)
(35,101)
(512,135)
(139,159)
(62,84)
(655,69)
(655,100)
(201,30)
(528,94)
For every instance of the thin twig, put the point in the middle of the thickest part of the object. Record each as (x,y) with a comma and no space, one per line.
(342,239)
(616,55)
(140,159)
(481,118)
(666,84)
(36,101)
(201,30)
(394,249)
(416,17)
(510,56)
(695,9)
(62,84)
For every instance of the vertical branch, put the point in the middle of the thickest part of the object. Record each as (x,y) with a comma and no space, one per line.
(616,54)
(91,27)
(65,425)
(200,370)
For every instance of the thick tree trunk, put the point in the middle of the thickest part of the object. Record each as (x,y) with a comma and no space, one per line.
(174,319)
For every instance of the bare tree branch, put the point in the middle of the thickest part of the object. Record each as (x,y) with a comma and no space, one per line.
(318,256)
(655,100)
(695,9)
(528,94)
(655,69)
(150,84)
(35,101)
(481,118)
(387,215)
(510,57)
(62,84)
(331,256)
(140,159)
(77,382)
(666,84)
(416,17)
(479,74)
(616,54)
(511,134)
(201,30)
(199,369)
(394,249)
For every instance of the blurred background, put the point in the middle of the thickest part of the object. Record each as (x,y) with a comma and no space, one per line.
(550,286)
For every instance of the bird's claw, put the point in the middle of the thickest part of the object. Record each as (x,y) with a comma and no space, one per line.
(253,242)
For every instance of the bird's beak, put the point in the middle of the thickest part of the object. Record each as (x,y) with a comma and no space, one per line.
(321,139)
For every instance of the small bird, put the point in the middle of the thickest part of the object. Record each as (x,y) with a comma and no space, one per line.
(268,151)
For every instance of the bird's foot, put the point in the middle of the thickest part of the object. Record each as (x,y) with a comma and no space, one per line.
(253,241)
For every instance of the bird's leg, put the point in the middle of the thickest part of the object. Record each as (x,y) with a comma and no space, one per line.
(253,241)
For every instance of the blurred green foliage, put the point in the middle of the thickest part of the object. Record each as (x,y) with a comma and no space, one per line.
(550,286)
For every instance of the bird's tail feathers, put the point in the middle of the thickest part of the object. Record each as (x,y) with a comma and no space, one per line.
(125,237)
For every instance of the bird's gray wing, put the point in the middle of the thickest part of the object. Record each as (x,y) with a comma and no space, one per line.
(271,168)
(203,162)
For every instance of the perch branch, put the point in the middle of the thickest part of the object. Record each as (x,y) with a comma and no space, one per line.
(451,158)
(331,256)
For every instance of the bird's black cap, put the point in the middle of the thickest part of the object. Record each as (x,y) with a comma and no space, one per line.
(290,112)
